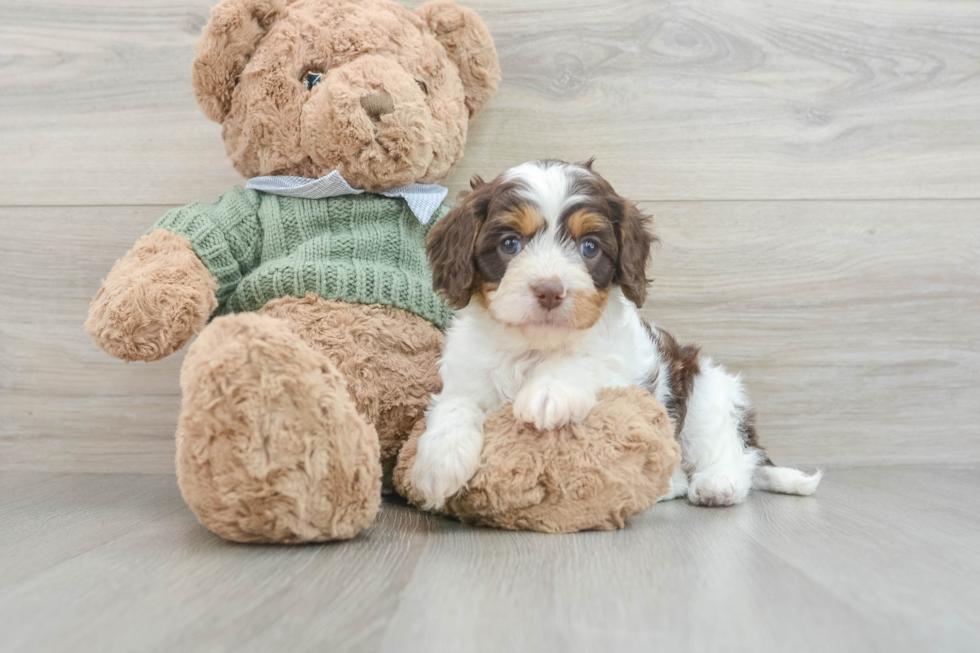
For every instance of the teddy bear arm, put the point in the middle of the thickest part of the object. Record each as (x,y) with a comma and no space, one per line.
(153,300)
(170,283)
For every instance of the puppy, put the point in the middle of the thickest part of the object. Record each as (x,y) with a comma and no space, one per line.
(547,267)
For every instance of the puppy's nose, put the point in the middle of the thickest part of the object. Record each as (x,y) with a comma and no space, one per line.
(377,104)
(549,292)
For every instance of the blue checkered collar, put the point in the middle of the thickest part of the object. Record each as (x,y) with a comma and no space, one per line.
(422,199)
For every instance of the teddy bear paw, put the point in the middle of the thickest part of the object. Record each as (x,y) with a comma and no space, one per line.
(154,299)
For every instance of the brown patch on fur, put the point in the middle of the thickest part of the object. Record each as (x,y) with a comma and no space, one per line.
(463,246)
(483,293)
(587,476)
(250,56)
(451,244)
(523,219)
(589,307)
(624,235)
(750,436)
(682,361)
(635,241)
(584,222)
(155,298)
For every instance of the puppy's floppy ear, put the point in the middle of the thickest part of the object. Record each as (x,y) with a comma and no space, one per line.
(634,239)
(451,245)
(468,43)
(225,46)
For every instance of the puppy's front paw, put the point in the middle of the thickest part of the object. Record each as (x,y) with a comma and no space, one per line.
(552,405)
(440,472)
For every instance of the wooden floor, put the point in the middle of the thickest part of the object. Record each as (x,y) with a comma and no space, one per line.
(883,559)
(813,169)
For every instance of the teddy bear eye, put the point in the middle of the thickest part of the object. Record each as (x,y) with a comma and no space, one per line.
(311,78)
(423,86)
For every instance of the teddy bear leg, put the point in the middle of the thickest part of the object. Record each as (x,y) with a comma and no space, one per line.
(270,447)
(388,357)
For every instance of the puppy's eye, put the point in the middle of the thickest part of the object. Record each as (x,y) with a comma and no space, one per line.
(589,248)
(510,246)
(311,78)
(423,86)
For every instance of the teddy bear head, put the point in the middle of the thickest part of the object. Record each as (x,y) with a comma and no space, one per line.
(381,94)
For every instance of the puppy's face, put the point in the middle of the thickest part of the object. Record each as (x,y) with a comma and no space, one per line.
(541,246)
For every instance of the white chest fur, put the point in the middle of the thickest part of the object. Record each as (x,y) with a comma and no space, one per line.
(493,362)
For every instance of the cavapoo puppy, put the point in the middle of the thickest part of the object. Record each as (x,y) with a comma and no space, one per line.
(547,267)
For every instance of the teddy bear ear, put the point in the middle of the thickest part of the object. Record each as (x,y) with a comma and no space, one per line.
(225,46)
(467,40)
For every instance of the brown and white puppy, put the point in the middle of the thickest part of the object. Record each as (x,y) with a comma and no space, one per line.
(547,267)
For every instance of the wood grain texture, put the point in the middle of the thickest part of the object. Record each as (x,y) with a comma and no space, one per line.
(879,560)
(853,322)
(685,99)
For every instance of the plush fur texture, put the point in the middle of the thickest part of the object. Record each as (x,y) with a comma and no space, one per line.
(591,475)
(388,357)
(392,105)
(270,446)
(291,417)
(154,299)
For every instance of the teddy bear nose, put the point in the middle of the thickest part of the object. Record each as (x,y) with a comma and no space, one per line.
(377,104)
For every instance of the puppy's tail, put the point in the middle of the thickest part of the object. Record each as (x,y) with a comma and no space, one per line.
(785,480)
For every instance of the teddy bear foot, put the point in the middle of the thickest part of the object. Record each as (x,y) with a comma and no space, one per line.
(270,447)
(591,475)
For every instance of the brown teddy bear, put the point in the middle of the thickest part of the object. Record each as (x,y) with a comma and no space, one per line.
(323,353)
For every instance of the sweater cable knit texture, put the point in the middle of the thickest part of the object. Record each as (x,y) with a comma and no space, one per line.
(363,249)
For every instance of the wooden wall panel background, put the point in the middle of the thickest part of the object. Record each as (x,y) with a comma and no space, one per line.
(813,167)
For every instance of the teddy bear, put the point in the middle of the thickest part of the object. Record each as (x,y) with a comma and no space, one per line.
(318,333)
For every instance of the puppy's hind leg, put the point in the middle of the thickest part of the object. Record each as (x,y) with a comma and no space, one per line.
(720,449)
(715,451)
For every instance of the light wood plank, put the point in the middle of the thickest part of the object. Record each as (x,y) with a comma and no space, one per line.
(50,519)
(854,323)
(678,99)
(155,579)
(878,560)
(682,579)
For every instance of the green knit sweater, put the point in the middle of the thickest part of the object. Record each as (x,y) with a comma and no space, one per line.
(364,249)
